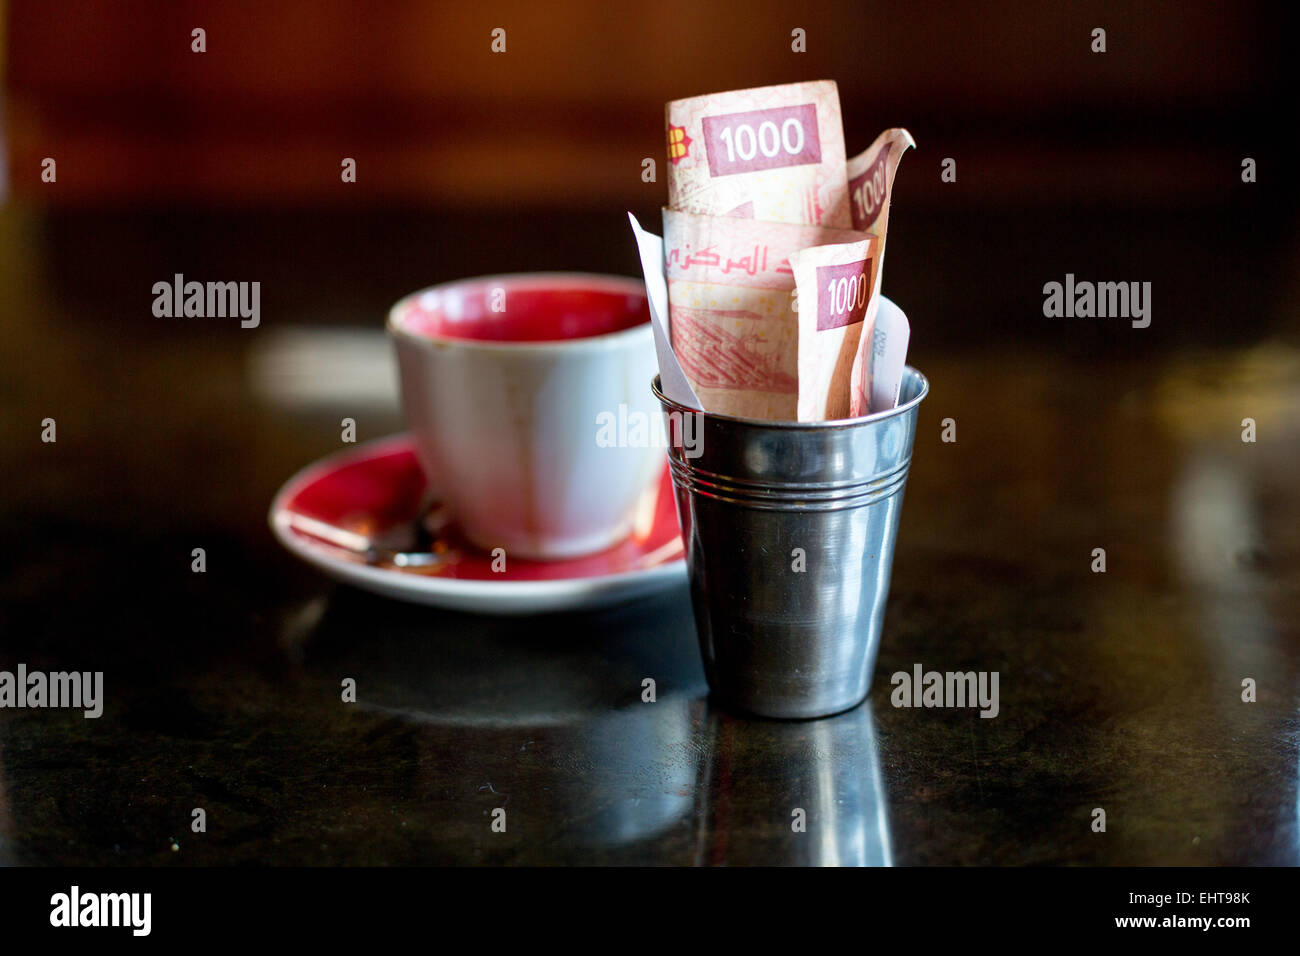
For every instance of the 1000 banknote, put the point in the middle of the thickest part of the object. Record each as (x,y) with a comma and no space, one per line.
(883,346)
(774,153)
(734,324)
(757,180)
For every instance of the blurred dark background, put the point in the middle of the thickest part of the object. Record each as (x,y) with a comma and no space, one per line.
(1122,165)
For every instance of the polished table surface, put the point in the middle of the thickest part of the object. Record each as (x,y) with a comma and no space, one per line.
(1120,690)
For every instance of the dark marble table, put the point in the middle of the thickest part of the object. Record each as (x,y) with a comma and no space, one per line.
(1119,690)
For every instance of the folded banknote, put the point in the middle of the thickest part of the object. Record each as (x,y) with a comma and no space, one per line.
(773,250)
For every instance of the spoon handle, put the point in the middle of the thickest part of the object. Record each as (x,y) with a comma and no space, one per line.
(360,545)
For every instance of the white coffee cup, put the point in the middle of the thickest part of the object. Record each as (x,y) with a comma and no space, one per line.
(506,381)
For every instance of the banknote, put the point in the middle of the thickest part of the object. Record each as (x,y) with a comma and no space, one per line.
(834,284)
(870,178)
(774,153)
(876,383)
(763,203)
(733,325)
(672,380)
(871,186)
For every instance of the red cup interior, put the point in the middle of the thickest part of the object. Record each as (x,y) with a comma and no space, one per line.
(544,312)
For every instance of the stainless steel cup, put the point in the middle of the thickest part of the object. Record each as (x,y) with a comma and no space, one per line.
(789,531)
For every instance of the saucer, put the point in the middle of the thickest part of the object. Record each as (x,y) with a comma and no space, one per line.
(378,486)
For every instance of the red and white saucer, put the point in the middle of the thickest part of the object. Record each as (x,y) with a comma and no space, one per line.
(378,486)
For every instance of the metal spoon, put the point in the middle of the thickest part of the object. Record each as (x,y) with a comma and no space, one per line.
(400,546)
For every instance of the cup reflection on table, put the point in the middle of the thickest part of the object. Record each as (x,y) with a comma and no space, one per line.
(802,793)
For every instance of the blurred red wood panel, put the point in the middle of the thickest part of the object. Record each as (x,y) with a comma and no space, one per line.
(413,91)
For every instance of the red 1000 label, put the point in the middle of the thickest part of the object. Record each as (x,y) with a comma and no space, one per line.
(842,294)
(867,192)
(762,139)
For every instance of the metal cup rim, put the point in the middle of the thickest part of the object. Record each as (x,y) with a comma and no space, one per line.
(836,423)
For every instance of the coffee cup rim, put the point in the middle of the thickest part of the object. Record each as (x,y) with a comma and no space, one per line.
(603,341)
